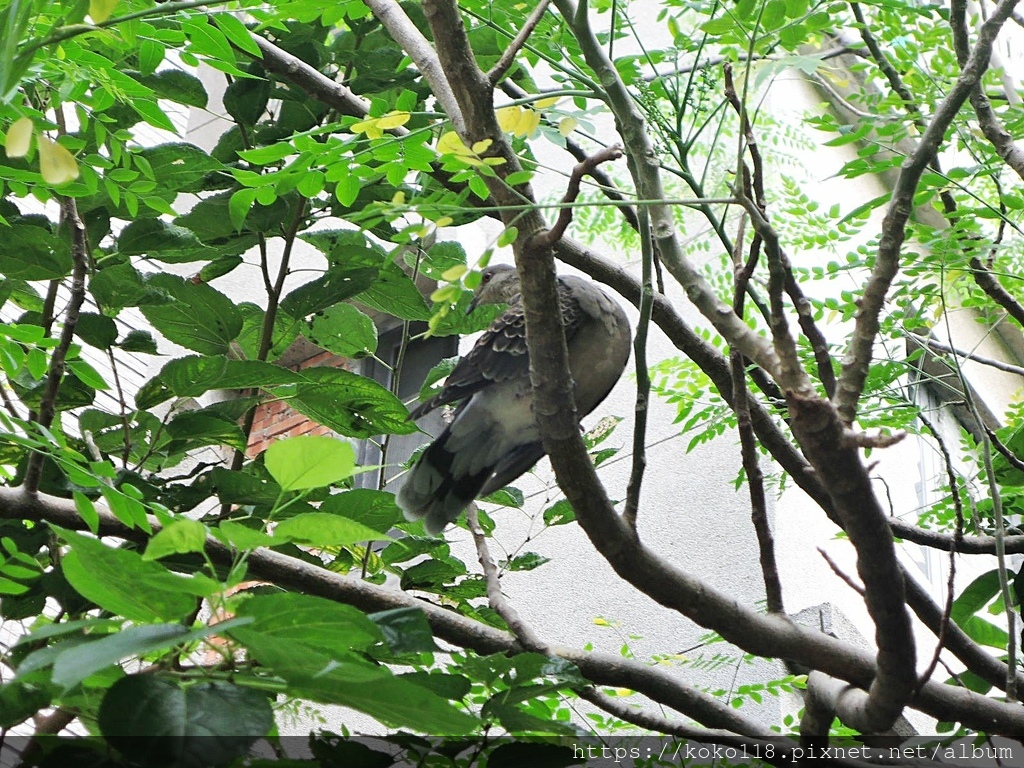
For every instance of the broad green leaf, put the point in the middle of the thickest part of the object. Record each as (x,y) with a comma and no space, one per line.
(242,536)
(179,167)
(343,330)
(309,461)
(322,529)
(350,404)
(193,375)
(96,330)
(121,285)
(77,663)
(374,509)
(33,253)
(172,84)
(181,536)
(975,596)
(158,239)
(395,293)
(406,630)
(339,678)
(309,620)
(336,285)
(201,318)
(120,581)
(158,722)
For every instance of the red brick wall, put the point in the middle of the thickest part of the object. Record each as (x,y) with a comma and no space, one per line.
(276,418)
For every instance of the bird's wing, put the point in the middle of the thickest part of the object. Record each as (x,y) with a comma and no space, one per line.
(498,355)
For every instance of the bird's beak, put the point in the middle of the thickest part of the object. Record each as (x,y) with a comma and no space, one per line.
(472,304)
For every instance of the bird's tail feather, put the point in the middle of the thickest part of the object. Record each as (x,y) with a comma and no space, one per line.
(432,493)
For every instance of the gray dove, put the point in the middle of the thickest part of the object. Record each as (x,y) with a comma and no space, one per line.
(493,437)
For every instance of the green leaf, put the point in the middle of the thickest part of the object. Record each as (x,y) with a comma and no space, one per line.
(975,596)
(96,330)
(87,511)
(139,341)
(406,630)
(348,680)
(161,240)
(395,293)
(374,509)
(201,318)
(179,167)
(181,536)
(322,529)
(172,84)
(337,284)
(239,206)
(242,536)
(309,461)
(157,722)
(34,253)
(350,404)
(343,330)
(245,99)
(193,375)
(121,285)
(120,581)
(526,562)
(311,621)
(78,662)
(235,31)
(88,375)
(559,513)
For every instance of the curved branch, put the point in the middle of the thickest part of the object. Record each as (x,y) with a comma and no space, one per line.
(858,358)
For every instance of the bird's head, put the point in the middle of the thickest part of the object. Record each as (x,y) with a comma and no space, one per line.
(499,284)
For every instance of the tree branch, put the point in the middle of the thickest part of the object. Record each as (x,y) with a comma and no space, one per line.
(55,373)
(508,56)
(887,261)
(990,124)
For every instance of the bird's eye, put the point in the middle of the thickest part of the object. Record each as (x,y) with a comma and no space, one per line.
(485,278)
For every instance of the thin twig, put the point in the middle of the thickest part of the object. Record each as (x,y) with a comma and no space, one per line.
(939,346)
(954,489)
(509,54)
(748,442)
(55,373)
(838,572)
(995,291)
(572,191)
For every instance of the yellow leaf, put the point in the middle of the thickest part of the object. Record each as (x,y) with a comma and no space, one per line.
(567,125)
(508,118)
(451,144)
(482,145)
(444,221)
(393,120)
(57,165)
(529,123)
(100,10)
(398,198)
(550,101)
(19,137)
(370,127)
(454,273)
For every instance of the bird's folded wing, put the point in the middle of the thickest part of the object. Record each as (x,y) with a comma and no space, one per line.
(499,354)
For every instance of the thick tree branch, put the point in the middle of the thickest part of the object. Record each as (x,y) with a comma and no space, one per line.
(988,121)
(292,573)
(405,33)
(644,156)
(858,357)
